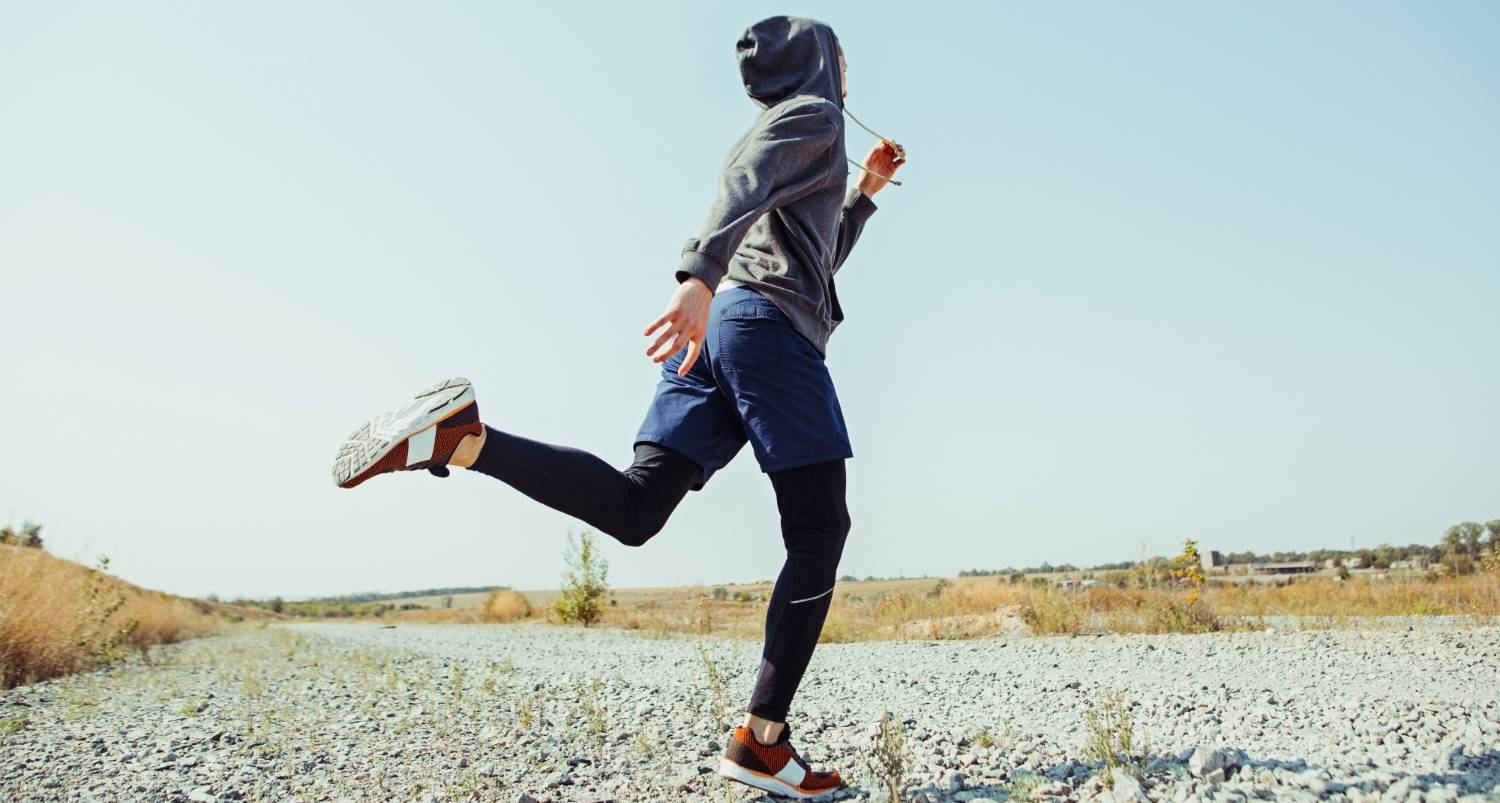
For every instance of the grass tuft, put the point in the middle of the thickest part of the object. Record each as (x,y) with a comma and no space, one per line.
(887,758)
(1111,738)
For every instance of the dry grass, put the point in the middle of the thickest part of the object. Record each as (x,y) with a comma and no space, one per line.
(970,607)
(58,617)
(1475,595)
(466,615)
(499,606)
(979,606)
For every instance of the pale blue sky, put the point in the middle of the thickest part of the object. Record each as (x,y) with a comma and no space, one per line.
(1159,271)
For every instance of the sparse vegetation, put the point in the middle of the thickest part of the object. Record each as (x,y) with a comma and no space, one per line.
(716,687)
(1111,738)
(887,759)
(12,725)
(1023,787)
(584,583)
(591,710)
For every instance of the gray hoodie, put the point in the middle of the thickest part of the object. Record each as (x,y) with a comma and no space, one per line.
(781,222)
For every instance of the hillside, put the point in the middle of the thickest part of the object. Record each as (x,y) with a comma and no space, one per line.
(59,617)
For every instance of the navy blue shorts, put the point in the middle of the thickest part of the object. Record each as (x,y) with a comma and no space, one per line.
(757,379)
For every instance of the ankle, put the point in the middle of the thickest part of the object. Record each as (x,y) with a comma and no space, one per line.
(468,450)
(765,731)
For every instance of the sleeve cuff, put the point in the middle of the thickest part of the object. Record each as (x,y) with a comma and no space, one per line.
(859,205)
(701,265)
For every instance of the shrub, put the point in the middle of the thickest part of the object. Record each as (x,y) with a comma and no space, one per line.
(1047,611)
(504,606)
(1172,615)
(29,536)
(584,583)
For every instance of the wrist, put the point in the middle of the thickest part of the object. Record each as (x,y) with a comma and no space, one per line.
(696,284)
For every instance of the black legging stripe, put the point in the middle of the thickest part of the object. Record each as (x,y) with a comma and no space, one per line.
(632,506)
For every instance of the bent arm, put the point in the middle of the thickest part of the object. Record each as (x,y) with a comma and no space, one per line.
(783,162)
(857,209)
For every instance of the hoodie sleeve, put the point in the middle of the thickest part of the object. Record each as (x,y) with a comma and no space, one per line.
(782,162)
(857,209)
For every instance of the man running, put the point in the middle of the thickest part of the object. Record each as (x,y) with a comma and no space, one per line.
(742,343)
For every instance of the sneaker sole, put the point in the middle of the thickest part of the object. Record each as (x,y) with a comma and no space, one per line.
(377,437)
(765,783)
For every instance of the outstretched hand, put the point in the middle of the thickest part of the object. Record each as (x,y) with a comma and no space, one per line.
(686,322)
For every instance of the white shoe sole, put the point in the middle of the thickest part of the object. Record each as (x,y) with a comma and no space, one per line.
(765,783)
(377,437)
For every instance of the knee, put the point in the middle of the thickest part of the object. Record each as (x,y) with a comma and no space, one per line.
(635,532)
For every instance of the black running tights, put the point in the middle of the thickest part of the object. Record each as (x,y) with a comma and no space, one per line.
(633,505)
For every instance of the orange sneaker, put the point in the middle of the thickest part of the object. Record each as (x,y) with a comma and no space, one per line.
(774,768)
(422,433)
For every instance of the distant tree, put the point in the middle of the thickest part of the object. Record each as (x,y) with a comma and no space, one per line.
(1491,560)
(1458,563)
(584,583)
(1463,538)
(1187,569)
(277,605)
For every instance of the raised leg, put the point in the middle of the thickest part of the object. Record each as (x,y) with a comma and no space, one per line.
(630,505)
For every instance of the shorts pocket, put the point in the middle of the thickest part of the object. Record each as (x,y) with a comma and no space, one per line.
(752,339)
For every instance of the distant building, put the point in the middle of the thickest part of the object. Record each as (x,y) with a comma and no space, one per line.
(1413,563)
(1212,559)
(1294,567)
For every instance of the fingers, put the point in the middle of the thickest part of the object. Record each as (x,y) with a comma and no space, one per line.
(664,354)
(885,156)
(692,356)
(656,324)
(671,330)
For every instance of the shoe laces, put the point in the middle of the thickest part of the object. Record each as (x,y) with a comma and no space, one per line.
(785,740)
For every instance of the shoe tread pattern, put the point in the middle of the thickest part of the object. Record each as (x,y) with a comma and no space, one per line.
(374,439)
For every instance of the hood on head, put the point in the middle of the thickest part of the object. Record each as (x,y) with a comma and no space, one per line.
(785,56)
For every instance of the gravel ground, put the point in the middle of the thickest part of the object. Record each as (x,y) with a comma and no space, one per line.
(536,713)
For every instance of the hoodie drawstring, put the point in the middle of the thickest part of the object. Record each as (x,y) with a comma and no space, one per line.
(900,152)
